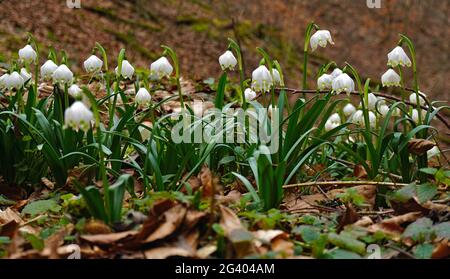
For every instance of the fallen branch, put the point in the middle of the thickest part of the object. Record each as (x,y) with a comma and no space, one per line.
(343,183)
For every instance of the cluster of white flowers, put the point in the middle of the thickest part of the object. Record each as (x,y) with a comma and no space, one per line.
(12,81)
(337,81)
(397,57)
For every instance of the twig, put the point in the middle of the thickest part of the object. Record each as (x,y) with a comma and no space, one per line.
(343,183)
(401,251)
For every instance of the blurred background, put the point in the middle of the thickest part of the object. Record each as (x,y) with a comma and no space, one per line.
(198,31)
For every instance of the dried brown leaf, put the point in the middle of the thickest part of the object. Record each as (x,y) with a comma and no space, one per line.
(420,146)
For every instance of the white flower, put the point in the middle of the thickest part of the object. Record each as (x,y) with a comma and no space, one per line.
(433,152)
(4,80)
(27,54)
(324,82)
(24,74)
(390,78)
(48,69)
(415,115)
(413,98)
(276,76)
(261,79)
(249,94)
(145,131)
(321,38)
(336,72)
(127,70)
(372,119)
(93,64)
(398,57)
(15,80)
(75,91)
(271,110)
(349,109)
(78,116)
(343,83)
(396,112)
(227,61)
(62,75)
(335,118)
(333,121)
(161,68)
(358,118)
(372,101)
(383,109)
(142,97)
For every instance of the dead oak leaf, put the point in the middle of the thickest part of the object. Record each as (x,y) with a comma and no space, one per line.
(109,238)
(172,219)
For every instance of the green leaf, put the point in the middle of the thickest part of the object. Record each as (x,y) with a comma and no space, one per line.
(430,171)
(42,206)
(442,230)
(308,233)
(343,254)
(5,201)
(35,241)
(426,192)
(419,230)
(347,242)
(221,91)
(423,251)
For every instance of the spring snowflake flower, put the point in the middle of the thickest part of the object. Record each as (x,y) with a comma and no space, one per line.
(333,121)
(271,110)
(75,91)
(398,57)
(413,98)
(336,72)
(47,69)
(324,82)
(143,97)
(62,75)
(343,83)
(383,109)
(227,61)
(249,94)
(3,81)
(27,54)
(25,75)
(276,77)
(320,38)
(349,110)
(161,68)
(433,152)
(93,64)
(127,70)
(358,118)
(14,81)
(390,78)
(261,79)
(372,101)
(78,116)
(415,115)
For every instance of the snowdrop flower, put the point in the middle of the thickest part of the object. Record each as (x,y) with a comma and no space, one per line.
(93,64)
(161,68)
(343,83)
(433,152)
(142,97)
(127,70)
(227,61)
(15,80)
(48,69)
(62,75)
(27,54)
(276,76)
(75,91)
(324,82)
(24,74)
(261,79)
(335,73)
(415,115)
(413,98)
(372,101)
(333,121)
(78,116)
(390,78)
(3,81)
(349,109)
(249,94)
(320,38)
(398,57)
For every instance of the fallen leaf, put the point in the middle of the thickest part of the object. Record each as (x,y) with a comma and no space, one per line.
(96,227)
(359,172)
(441,250)
(166,252)
(393,226)
(420,146)
(172,219)
(349,216)
(240,237)
(108,239)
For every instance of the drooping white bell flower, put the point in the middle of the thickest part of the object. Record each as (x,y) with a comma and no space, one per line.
(249,94)
(261,79)
(398,57)
(27,54)
(433,152)
(413,98)
(396,112)
(332,122)
(390,78)
(161,68)
(145,131)
(75,91)
(336,72)
(276,77)
(383,109)
(358,118)
(14,81)
(227,61)
(335,118)
(415,115)
(324,82)
(47,69)
(372,101)
(62,75)
(93,64)
(4,80)
(78,116)
(349,109)
(320,38)
(343,83)
(24,74)
(372,119)
(271,110)
(127,70)
(143,97)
